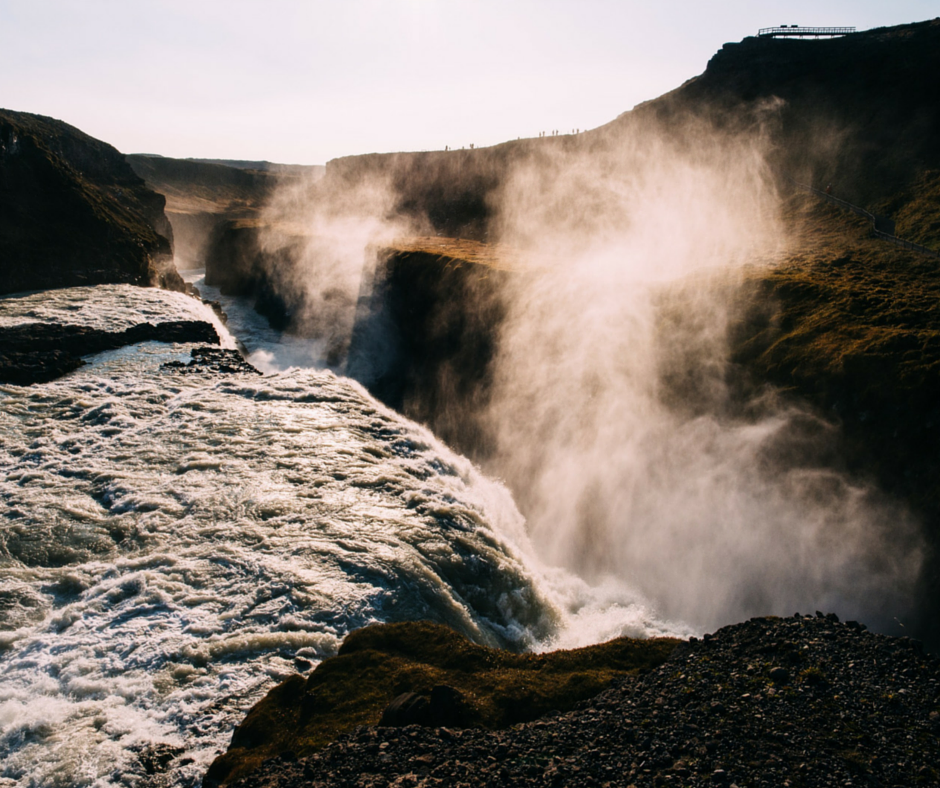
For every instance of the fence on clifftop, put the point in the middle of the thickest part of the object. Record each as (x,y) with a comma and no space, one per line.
(872,218)
(795,31)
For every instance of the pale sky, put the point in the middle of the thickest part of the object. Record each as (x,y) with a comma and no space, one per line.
(305,82)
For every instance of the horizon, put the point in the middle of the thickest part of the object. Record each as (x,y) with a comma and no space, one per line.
(216,81)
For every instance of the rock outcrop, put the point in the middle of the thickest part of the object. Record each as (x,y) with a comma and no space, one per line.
(425,334)
(72,212)
(419,671)
(41,352)
(802,701)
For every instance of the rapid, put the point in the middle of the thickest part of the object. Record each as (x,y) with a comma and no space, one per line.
(172,546)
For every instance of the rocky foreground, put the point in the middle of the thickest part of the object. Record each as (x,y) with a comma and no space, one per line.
(801,701)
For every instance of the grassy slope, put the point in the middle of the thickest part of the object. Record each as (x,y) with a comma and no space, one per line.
(454,251)
(916,210)
(378,663)
(191,187)
(848,299)
(851,324)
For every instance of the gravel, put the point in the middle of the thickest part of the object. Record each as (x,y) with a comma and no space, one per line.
(800,701)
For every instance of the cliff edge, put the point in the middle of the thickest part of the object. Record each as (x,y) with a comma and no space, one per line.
(72,211)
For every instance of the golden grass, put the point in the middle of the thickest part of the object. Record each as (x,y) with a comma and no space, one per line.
(849,305)
(498,256)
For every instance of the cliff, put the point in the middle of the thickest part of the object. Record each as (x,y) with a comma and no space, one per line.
(202,197)
(852,111)
(72,212)
(424,338)
(206,197)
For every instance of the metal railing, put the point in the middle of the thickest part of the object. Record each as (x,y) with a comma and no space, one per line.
(905,244)
(795,31)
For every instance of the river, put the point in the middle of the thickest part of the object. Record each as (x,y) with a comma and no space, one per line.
(172,546)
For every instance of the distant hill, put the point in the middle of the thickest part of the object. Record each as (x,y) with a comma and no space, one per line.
(202,196)
(72,212)
(191,186)
(857,112)
(311,170)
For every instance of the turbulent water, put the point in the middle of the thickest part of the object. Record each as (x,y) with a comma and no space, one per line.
(171,545)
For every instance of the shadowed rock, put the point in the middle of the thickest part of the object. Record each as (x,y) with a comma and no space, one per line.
(72,212)
(41,352)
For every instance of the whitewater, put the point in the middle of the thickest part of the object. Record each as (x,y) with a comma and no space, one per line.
(172,546)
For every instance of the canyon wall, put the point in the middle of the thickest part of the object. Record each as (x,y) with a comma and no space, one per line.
(72,212)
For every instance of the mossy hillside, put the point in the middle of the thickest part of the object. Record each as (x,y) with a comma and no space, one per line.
(848,304)
(378,663)
(851,324)
(916,210)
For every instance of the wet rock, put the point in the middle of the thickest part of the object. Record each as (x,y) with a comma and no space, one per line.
(212,360)
(156,758)
(41,352)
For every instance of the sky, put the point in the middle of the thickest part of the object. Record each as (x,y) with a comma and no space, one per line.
(306,81)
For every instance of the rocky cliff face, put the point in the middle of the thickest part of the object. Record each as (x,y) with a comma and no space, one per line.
(425,335)
(202,198)
(72,212)
(854,112)
(238,265)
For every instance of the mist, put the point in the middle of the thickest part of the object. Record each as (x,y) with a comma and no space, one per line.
(318,239)
(644,460)
(635,449)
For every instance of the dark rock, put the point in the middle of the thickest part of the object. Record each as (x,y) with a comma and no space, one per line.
(41,352)
(23,369)
(72,211)
(450,709)
(212,360)
(156,758)
(780,675)
(407,709)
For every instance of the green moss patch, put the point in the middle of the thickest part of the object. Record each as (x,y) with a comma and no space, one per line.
(377,664)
